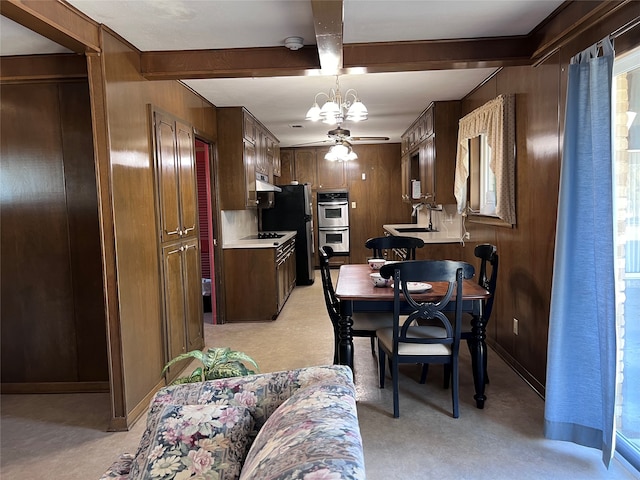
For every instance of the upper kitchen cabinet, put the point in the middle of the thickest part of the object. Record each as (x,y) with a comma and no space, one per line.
(304,170)
(175,166)
(245,147)
(286,166)
(307,165)
(428,154)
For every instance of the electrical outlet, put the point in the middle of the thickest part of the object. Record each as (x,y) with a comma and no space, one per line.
(515,326)
(353,204)
(364,176)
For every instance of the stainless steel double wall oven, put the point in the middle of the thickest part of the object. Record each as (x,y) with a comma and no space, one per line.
(333,220)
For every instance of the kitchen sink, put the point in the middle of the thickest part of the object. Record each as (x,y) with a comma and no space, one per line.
(415,229)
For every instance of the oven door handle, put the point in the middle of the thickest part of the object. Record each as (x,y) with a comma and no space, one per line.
(332,204)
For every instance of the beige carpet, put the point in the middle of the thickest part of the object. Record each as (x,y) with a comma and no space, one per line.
(64,437)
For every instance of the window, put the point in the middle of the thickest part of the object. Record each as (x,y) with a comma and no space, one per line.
(626,141)
(482,180)
(484,183)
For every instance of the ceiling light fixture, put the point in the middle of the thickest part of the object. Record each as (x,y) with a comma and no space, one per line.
(341,152)
(338,108)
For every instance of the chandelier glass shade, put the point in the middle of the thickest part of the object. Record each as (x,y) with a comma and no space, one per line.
(341,152)
(338,107)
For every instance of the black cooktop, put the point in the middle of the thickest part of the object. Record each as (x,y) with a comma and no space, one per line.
(270,235)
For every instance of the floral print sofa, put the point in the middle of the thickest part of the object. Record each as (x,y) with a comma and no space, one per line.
(296,424)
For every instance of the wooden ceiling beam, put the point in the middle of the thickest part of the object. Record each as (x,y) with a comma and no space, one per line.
(229,63)
(328,21)
(56,20)
(371,57)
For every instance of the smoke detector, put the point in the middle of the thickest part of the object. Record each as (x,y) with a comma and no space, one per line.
(293,43)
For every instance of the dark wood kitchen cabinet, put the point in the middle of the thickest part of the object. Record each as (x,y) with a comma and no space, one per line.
(330,174)
(307,165)
(178,236)
(245,147)
(182,296)
(429,153)
(258,281)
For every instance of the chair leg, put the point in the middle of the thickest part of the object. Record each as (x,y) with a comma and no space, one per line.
(373,345)
(381,366)
(396,387)
(423,374)
(454,387)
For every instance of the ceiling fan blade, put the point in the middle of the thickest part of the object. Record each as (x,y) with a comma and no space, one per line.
(317,142)
(360,139)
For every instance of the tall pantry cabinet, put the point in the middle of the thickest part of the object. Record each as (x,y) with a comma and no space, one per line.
(178,235)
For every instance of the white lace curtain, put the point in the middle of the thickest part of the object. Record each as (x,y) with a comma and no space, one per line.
(496,120)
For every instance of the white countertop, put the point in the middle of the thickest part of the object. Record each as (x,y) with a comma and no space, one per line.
(441,236)
(254,242)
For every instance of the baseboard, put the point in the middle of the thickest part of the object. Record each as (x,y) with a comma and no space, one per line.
(54,387)
(522,372)
(121,424)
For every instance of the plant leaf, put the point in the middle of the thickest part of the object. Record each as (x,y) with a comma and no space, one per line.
(242,357)
(197,354)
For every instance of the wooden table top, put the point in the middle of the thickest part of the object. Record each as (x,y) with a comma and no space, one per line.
(354,283)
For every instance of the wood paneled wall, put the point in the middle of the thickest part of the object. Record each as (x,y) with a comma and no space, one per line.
(53,327)
(127,98)
(378,197)
(527,250)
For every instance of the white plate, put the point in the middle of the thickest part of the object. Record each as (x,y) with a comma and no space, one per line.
(418,287)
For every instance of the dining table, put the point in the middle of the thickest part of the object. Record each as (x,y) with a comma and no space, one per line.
(356,293)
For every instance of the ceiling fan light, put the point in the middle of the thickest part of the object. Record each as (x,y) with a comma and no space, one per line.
(314,113)
(351,156)
(340,150)
(330,156)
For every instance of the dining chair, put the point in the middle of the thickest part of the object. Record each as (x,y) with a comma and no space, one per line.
(365,324)
(406,245)
(488,255)
(406,342)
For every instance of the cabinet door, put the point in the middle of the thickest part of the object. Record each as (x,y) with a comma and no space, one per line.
(275,160)
(249,127)
(193,295)
(305,167)
(174,303)
(286,166)
(167,177)
(406,180)
(251,196)
(187,176)
(428,168)
(330,174)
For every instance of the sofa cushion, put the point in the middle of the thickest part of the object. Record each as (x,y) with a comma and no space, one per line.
(203,441)
(312,435)
(261,393)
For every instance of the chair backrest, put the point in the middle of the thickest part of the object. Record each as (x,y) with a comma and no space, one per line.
(332,303)
(408,244)
(425,271)
(488,254)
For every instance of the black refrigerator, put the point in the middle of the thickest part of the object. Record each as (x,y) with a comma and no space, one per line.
(292,211)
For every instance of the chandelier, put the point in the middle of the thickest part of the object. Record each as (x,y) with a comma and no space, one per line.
(338,107)
(341,152)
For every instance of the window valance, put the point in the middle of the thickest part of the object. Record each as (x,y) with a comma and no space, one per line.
(496,120)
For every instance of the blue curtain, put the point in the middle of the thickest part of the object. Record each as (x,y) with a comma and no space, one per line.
(581,359)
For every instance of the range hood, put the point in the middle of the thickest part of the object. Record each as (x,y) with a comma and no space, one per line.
(263,185)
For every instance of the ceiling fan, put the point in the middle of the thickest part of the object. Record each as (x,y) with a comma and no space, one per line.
(340,135)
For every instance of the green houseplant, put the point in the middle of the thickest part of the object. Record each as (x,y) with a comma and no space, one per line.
(218,362)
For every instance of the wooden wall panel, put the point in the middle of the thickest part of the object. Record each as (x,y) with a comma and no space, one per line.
(53,328)
(377,197)
(84,239)
(128,96)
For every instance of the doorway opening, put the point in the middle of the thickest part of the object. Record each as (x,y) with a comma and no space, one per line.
(207,229)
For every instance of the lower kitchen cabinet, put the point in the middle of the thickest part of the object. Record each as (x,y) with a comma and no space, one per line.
(258,281)
(182,297)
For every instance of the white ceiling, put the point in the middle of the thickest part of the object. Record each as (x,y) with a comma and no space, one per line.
(394,100)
